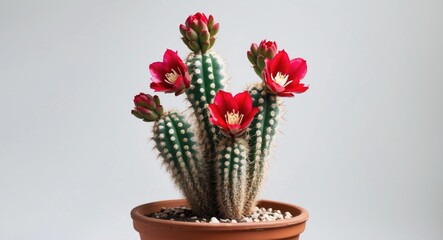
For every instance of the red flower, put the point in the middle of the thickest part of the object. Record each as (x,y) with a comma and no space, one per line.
(232,114)
(282,76)
(171,75)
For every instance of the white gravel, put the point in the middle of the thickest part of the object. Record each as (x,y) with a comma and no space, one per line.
(186,215)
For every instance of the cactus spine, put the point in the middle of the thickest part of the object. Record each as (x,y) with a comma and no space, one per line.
(233,168)
(231,176)
(261,133)
(177,145)
(208,77)
(219,162)
(226,171)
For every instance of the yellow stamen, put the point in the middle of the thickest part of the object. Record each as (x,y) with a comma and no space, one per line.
(172,76)
(233,118)
(281,79)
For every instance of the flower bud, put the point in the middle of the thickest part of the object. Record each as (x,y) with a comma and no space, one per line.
(258,53)
(191,34)
(251,58)
(204,37)
(211,42)
(147,107)
(199,32)
(210,21)
(261,61)
(196,18)
(254,49)
(214,29)
(268,48)
(183,30)
(157,100)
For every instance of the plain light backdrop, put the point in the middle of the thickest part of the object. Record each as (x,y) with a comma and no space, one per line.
(362,149)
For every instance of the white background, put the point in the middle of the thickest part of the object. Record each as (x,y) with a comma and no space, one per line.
(362,149)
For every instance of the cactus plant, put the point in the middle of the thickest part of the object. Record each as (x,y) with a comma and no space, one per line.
(218,161)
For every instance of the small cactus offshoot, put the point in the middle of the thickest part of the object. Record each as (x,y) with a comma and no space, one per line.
(218,159)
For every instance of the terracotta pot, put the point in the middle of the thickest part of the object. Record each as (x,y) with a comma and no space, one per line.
(157,229)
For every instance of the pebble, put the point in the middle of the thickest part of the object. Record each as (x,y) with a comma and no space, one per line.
(179,210)
(185,214)
(263,210)
(288,215)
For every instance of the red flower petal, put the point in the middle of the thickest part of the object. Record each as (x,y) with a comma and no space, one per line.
(158,71)
(297,88)
(248,118)
(244,102)
(297,70)
(273,86)
(173,61)
(225,101)
(169,57)
(179,85)
(280,63)
(285,94)
(217,117)
(161,87)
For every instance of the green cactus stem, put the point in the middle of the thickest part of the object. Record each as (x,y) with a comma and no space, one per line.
(231,176)
(208,76)
(261,133)
(177,145)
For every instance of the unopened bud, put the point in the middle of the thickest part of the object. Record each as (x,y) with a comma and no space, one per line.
(147,107)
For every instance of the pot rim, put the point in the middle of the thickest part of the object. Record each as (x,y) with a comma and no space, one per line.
(138,214)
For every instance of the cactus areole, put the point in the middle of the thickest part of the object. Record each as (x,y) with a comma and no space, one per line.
(218,159)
